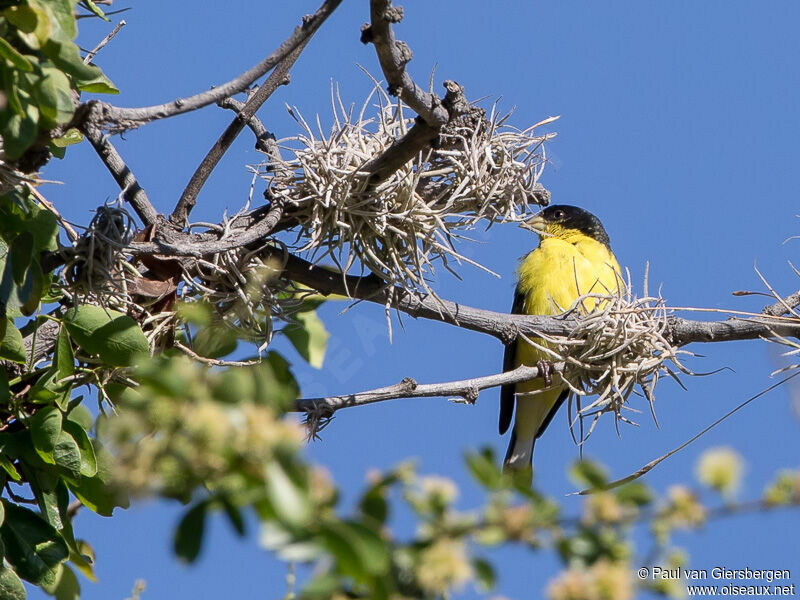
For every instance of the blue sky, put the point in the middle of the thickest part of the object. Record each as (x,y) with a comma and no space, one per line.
(678,129)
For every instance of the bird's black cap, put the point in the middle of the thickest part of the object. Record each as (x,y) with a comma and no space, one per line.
(572,217)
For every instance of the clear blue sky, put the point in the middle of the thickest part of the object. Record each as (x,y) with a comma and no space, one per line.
(679,128)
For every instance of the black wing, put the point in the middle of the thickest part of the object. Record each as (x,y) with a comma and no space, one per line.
(509,360)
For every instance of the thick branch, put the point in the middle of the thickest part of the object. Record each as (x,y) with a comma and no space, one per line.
(393,56)
(507,327)
(783,306)
(408,388)
(252,229)
(132,192)
(278,77)
(265,141)
(119,119)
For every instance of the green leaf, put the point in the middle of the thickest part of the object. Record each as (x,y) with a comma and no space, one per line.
(66,586)
(635,493)
(64,359)
(33,25)
(215,341)
(22,17)
(20,254)
(8,467)
(289,501)
(88,460)
(94,8)
(33,547)
(67,455)
(19,132)
(87,78)
(12,347)
(189,534)
(97,493)
(234,514)
(309,337)
(588,473)
(358,550)
(371,548)
(53,93)
(275,383)
(19,212)
(70,137)
(115,337)
(82,558)
(45,427)
(61,17)
(484,573)
(5,391)
(80,414)
(11,588)
(11,54)
(484,468)
(375,506)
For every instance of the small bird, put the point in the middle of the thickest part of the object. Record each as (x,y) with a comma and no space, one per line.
(574,258)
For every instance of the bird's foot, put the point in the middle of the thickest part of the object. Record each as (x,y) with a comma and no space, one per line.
(547,370)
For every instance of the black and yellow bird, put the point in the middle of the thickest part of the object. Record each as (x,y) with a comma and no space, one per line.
(574,258)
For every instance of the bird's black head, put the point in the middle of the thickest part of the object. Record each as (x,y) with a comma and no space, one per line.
(559,220)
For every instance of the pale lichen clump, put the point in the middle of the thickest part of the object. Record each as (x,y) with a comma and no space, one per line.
(618,348)
(479,169)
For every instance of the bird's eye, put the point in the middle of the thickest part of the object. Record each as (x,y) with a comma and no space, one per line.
(559,214)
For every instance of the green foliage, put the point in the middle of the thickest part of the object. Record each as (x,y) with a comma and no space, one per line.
(109,334)
(308,335)
(41,68)
(26,230)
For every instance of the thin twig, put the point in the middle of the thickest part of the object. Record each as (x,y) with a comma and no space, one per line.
(71,233)
(408,388)
(278,77)
(131,190)
(265,141)
(653,463)
(88,58)
(118,119)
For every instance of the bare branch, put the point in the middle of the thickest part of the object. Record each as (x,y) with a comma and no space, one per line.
(507,327)
(393,56)
(278,77)
(419,137)
(783,305)
(131,190)
(250,231)
(88,58)
(265,141)
(408,388)
(119,119)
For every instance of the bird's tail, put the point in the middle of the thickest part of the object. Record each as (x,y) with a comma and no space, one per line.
(519,456)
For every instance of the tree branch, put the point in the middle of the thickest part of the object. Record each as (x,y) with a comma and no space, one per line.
(408,388)
(265,141)
(132,192)
(507,327)
(278,77)
(393,56)
(119,119)
(783,305)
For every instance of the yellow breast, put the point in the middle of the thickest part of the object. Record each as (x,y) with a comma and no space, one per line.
(554,275)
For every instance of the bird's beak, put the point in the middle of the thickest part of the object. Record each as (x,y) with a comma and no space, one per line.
(537,224)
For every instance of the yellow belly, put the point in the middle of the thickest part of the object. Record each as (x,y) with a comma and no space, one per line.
(552,277)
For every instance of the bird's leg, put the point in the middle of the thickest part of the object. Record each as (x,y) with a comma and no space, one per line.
(547,370)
